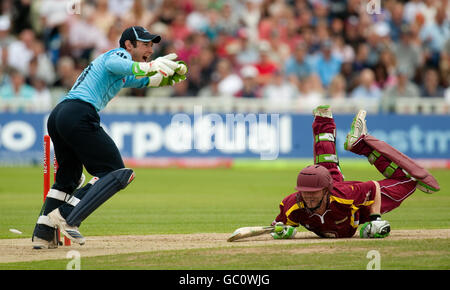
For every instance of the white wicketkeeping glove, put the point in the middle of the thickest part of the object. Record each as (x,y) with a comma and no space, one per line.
(166,65)
(155,80)
(375,229)
(182,68)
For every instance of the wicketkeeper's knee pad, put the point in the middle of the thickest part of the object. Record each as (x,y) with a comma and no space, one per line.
(100,192)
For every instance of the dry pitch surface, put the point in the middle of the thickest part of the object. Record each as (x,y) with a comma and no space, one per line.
(20,250)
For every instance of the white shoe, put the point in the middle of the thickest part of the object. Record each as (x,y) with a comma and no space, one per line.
(39,244)
(323,111)
(71,232)
(357,129)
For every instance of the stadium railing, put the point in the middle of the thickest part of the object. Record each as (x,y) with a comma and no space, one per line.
(160,105)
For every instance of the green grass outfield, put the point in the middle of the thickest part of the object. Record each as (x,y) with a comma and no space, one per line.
(174,201)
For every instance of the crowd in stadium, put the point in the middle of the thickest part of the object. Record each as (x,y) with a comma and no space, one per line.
(274,49)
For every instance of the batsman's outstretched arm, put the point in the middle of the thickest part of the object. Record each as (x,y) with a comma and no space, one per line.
(375,208)
(282,231)
(376,227)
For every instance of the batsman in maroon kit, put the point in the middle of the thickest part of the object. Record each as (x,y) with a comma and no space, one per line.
(333,208)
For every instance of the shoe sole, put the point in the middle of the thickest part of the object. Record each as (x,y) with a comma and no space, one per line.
(320,110)
(361,115)
(43,245)
(56,221)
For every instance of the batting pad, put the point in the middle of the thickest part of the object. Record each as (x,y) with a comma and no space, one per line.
(100,192)
(426,181)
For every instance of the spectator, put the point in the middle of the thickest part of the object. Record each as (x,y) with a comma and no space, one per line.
(261,33)
(343,51)
(167,11)
(377,39)
(179,29)
(435,34)
(195,81)
(431,87)
(367,87)
(404,88)
(229,82)
(407,54)
(16,89)
(361,58)
(316,85)
(197,20)
(20,52)
(322,31)
(310,92)
(212,88)
(229,19)
(337,88)
(3,57)
(337,27)
(112,36)
(44,69)
(189,48)
(266,67)
(279,91)
(327,65)
(84,37)
(297,66)
(308,37)
(248,52)
(21,17)
(51,13)
(352,35)
(207,62)
(138,15)
(42,98)
(5,37)
(447,95)
(432,6)
(276,32)
(180,90)
(104,19)
(120,7)
(250,16)
(444,65)
(214,25)
(250,88)
(412,9)
(273,25)
(383,78)
(349,75)
(388,61)
(397,21)
(66,73)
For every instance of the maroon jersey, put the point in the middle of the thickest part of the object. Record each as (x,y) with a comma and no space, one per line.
(348,206)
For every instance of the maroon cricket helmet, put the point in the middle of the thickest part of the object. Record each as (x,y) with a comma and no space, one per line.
(314,178)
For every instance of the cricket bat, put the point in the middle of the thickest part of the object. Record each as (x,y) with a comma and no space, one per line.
(246,232)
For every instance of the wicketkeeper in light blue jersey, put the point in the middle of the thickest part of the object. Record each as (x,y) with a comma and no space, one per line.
(79,140)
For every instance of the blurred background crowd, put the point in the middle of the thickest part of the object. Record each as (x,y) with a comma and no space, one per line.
(279,50)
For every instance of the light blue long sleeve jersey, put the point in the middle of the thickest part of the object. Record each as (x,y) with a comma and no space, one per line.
(104,77)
